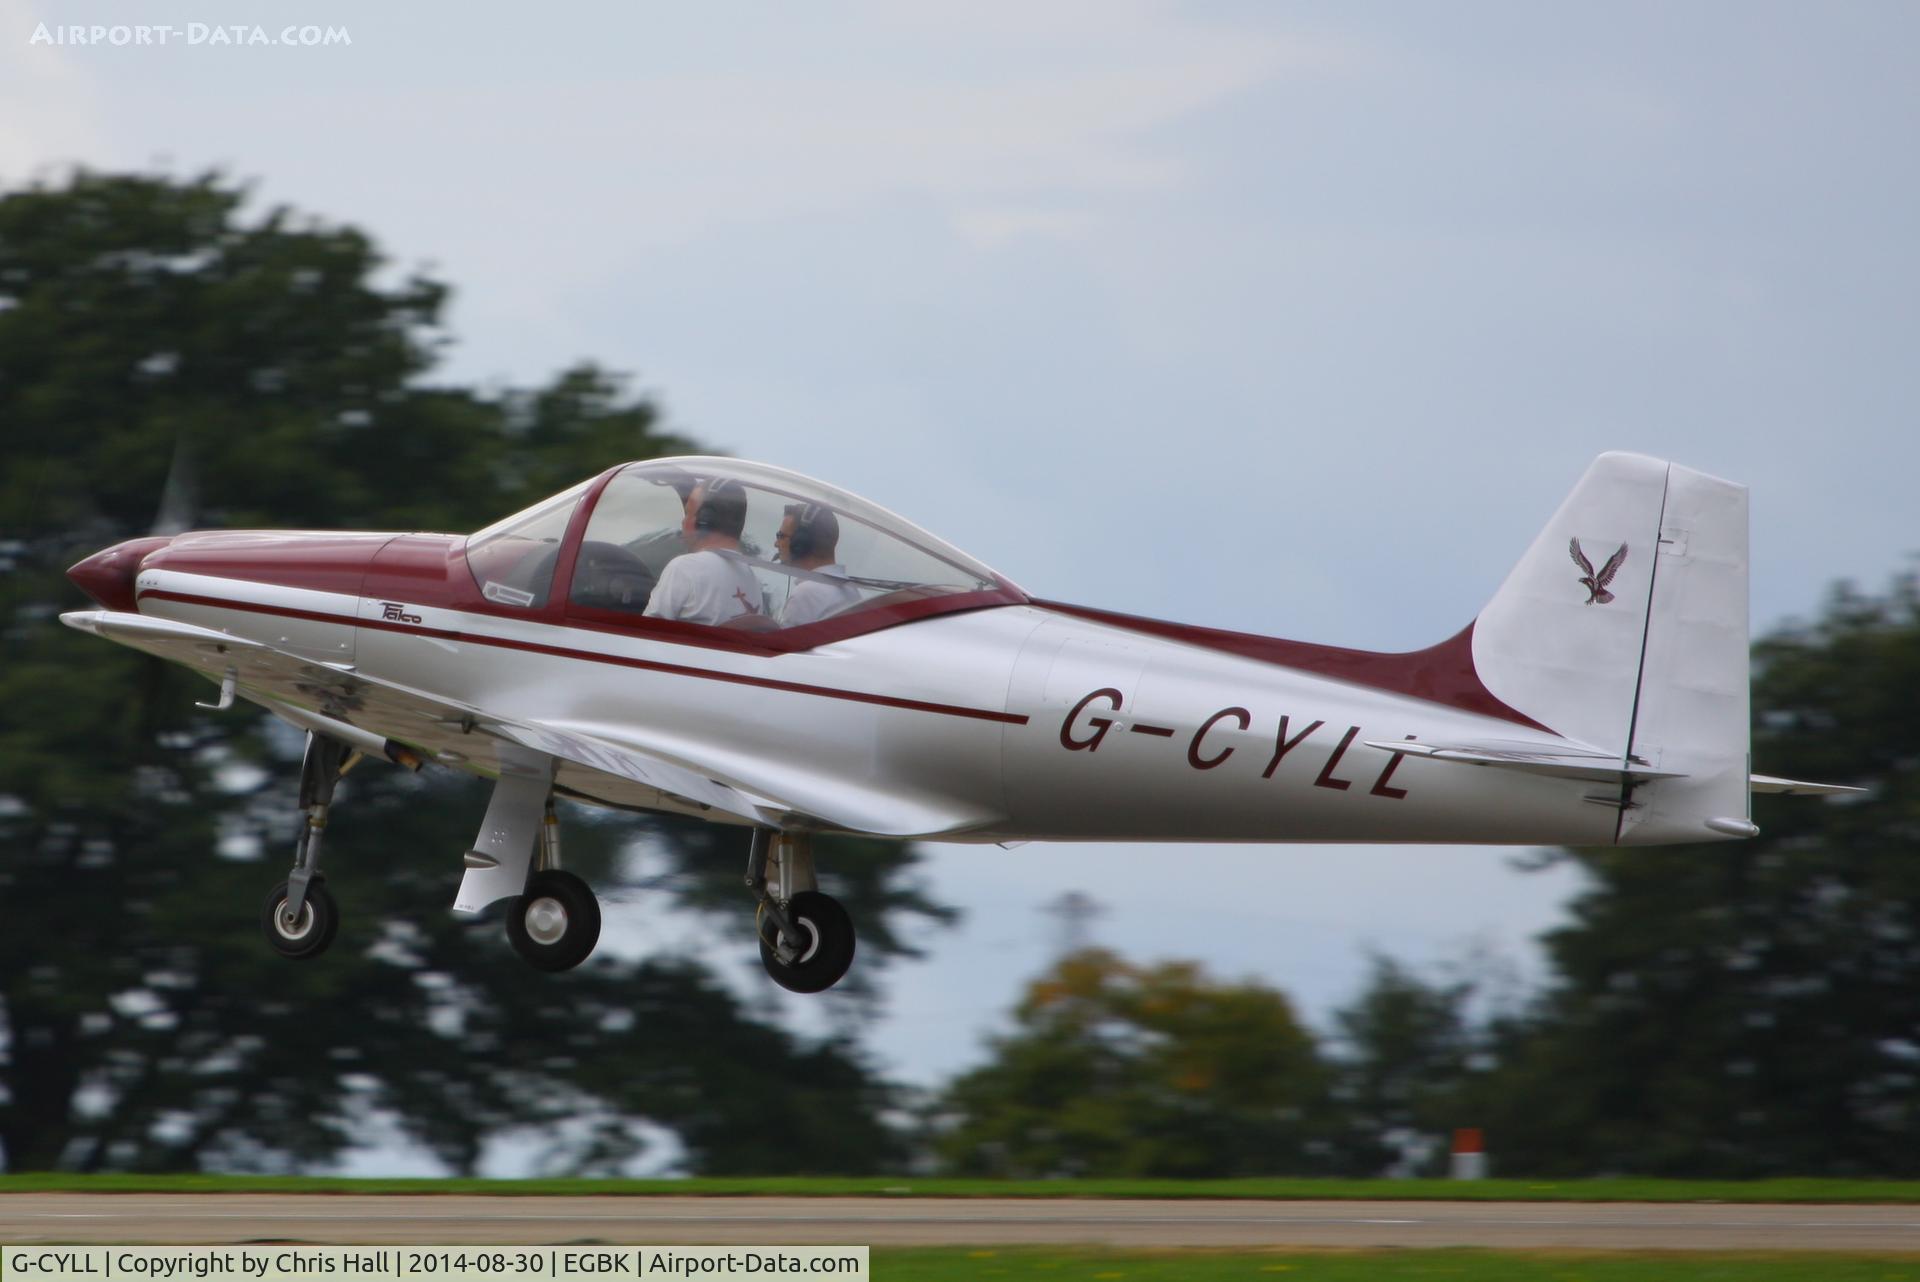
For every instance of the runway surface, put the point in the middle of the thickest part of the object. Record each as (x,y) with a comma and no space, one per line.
(152,1219)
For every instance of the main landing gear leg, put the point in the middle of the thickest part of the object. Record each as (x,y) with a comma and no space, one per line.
(555,923)
(806,938)
(553,920)
(300,917)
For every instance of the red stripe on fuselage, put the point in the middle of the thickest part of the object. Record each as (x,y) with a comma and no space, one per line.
(1441,673)
(623,661)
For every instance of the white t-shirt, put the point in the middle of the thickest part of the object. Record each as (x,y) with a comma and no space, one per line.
(813,599)
(705,587)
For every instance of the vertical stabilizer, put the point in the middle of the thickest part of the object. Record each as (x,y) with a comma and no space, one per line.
(1624,628)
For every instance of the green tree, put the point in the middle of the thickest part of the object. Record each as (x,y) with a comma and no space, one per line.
(1119,1069)
(1750,1008)
(1406,1051)
(149,328)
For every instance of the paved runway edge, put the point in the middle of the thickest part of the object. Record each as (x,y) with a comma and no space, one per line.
(166,1219)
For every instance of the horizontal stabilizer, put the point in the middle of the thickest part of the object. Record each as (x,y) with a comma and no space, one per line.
(1561,761)
(1797,788)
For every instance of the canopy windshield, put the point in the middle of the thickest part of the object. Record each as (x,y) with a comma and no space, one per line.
(790,552)
(514,558)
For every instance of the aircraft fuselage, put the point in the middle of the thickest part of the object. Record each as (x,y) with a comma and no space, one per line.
(1014,722)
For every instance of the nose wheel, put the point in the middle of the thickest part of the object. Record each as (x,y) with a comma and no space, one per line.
(304,932)
(556,923)
(300,918)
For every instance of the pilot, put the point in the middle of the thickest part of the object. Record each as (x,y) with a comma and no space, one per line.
(808,535)
(710,582)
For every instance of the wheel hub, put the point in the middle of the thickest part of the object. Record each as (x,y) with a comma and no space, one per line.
(292,928)
(546,921)
(799,951)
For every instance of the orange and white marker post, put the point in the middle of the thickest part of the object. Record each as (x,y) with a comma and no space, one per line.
(1469,1154)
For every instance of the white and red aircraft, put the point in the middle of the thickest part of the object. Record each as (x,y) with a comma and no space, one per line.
(813,663)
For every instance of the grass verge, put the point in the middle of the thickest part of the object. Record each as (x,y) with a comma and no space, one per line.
(961,1265)
(1887,1192)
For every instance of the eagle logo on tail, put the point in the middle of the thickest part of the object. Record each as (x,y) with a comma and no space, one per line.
(1596,584)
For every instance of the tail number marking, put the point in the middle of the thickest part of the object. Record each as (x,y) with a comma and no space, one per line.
(1084,729)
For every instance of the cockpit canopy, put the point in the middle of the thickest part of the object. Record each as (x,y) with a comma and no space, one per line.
(801,561)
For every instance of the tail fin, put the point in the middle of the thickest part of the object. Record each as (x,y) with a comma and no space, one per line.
(1624,628)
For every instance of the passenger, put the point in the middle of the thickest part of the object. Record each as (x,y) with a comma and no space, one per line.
(709,582)
(809,534)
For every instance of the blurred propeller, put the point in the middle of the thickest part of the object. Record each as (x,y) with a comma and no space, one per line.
(180,496)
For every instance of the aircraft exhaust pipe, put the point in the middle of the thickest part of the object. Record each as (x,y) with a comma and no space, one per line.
(353,736)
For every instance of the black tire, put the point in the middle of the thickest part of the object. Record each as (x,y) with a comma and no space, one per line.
(312,933)
(556,923)
(828,951)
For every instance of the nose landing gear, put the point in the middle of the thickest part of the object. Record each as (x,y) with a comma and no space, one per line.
(300,918)
(303,932)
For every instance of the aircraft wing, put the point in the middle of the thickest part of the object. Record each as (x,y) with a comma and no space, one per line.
(330,698)
(604,761)
(754,788)
(788,786)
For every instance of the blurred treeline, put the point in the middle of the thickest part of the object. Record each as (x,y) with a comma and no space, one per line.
(271,371)
(1739,1009)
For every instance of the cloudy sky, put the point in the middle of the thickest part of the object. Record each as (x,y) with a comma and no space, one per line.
(1293,318)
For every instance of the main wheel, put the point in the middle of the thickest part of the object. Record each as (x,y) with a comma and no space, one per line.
(826,949)
(306,935)
(556,923)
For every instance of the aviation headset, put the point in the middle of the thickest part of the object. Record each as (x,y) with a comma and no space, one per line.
(814,526)
(723,506)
